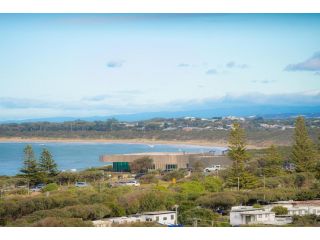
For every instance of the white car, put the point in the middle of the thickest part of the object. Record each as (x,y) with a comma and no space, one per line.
(213,168)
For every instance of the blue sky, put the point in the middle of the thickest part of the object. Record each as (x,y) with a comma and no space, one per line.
(103,64)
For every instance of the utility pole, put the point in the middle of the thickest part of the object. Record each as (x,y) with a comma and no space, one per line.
(264,187)
(238,183)
(176,218)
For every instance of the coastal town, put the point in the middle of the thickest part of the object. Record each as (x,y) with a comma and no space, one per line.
(233,186)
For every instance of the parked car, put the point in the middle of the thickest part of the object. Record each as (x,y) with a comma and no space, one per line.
(131,183)
(81,184)
(37,188)
(213,168)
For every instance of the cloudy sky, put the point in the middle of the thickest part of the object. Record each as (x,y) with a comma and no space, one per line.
(103,64)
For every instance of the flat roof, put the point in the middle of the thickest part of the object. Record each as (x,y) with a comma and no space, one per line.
(157,213)
(256,212)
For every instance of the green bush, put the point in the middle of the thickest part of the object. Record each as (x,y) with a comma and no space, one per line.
(62,222)
(280,210)
(205,217)
(178,174)
(50,187)
(221,200)
(213,184)
(191,189)
(149,178)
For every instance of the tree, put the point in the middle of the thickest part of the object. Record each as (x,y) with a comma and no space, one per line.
(303,151)
(141,165)
(30,166)
(237,147)
(280,210)
(47,164)
(238,175)
(272,162)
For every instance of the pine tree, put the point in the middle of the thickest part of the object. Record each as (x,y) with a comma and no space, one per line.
(273,162)
(303,150)
(239,155)
(30,167)
(237,147)
(47,164)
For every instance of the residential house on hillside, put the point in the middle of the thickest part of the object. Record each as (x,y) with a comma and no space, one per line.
(161,217)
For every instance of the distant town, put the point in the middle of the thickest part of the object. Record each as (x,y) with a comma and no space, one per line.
(260,131)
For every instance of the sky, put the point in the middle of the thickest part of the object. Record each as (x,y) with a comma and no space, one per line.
(84,65)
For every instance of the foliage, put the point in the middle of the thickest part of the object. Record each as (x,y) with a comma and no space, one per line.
(223,200)
(303,152)
(280,210)
(272,162)
(305,221)
(213,184)
(50,187)
(177,174)
(62,222)
(141,165)
(238,176)
(256,205)
(47,163)
(191,189)
(204,217)
(30,167)
(149,178)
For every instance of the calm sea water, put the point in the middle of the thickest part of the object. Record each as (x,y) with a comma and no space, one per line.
(82,155)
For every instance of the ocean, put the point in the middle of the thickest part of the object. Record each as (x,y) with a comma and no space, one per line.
(75,155)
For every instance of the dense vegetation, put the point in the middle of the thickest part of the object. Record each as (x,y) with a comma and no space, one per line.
(255,177)
(259,131)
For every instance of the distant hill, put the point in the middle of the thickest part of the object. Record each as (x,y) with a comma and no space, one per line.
(266,111)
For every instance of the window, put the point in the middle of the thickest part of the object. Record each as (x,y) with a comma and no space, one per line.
(172,217)
(260,216)
(164,218)
(157,218)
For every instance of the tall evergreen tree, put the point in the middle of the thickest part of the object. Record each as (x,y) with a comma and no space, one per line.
(239,155)
(303,150)
(30,167)
(47,164)
(272,162)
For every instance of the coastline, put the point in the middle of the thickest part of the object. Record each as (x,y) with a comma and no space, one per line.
(203,143)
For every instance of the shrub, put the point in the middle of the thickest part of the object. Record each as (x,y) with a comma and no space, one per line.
(191,189)
(305,195)
(215,201)
(50,187)
(179,174)
(149,178)
(257,205)
(204,217)
(304,221)
(213,184)
(280,210)
(62,222)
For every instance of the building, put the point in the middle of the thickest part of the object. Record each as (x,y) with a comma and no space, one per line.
(300,208)
(166,161)
(246,215)
(161,217)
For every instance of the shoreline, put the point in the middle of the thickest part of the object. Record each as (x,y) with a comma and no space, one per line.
(199,143)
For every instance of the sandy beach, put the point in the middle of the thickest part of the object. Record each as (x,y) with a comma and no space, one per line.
(133,141)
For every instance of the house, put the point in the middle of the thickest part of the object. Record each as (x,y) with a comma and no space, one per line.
(161,217)
(300,208)
(246,215)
